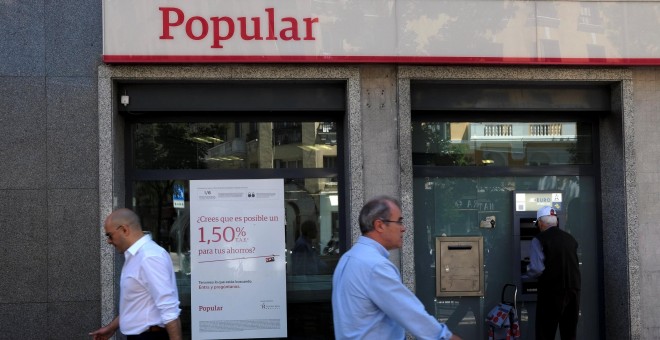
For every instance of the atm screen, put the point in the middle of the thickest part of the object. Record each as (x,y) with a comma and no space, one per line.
(527,232)
(527,229)
(524,249)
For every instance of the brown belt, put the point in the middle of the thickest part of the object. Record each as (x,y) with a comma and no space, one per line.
(155,329)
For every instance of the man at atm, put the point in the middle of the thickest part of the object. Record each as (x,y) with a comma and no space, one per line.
(554,261)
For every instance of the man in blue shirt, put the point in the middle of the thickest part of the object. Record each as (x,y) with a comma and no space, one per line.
(369,301)
(554,261)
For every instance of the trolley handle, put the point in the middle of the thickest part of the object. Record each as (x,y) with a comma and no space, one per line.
(515,293)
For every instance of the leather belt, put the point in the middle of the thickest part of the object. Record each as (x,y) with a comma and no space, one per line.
(155,329)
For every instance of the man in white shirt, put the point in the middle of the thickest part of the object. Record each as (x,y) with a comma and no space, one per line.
(148,299)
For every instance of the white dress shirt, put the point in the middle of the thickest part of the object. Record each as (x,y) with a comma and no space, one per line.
(148,294)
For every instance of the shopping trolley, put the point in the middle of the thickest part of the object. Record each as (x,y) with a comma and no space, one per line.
(503,319)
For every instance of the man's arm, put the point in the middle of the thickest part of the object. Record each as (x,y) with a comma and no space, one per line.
(162,288)
(536,258)
(106,332)
(174,329)
(402,306)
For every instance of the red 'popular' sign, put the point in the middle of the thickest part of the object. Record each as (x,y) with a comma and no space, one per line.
(381,31)
(225,27)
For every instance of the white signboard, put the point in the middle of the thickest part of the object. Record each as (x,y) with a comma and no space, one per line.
(382,31)
(535,200)
(238,280)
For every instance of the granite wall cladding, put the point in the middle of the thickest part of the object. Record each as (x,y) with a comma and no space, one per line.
(49,251)
(647,138)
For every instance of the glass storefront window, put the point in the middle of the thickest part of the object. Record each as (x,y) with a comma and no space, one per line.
(312,223)
(236,145)
(465,176)
(438,143)
(456,206)
(167,155)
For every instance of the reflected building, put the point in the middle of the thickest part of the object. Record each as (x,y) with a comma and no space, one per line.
(286,145)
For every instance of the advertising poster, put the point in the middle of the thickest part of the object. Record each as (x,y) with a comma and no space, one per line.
(238,279)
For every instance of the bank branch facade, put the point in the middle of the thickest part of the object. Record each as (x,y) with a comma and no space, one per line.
(473,114)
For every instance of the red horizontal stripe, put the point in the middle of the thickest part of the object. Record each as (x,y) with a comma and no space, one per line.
(124,59)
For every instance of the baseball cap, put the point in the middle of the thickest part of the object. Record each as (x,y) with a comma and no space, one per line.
(544,211)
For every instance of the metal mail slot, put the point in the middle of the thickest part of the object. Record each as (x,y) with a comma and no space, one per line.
(459,266)
(459,247)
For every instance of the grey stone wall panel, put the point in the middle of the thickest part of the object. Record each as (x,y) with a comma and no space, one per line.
(73,250)
(72,132)
(22,46)
(23,252)
(28,321)
(22,133)
(84,315)
(647,138)
(74,38)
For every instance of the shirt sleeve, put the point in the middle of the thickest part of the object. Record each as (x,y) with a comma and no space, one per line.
(536,258)
(162,287)
(402,306)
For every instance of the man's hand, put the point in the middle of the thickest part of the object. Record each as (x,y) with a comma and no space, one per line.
(102,333)
(105,333)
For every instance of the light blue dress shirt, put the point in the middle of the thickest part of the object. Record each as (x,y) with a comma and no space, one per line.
(369,301)
(536,258)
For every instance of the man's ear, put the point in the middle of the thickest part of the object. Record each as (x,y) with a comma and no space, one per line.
(378,225)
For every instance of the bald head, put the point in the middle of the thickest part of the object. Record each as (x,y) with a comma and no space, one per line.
(126,217)
(122,228)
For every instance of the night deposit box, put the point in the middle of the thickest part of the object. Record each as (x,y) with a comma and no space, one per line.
(459,266)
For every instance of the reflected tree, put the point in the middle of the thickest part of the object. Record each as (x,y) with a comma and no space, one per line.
(170,146)
(432,145)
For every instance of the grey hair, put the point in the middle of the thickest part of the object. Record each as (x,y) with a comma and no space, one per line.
(549,220)
(376,209)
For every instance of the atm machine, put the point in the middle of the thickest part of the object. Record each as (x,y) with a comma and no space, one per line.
(526,204)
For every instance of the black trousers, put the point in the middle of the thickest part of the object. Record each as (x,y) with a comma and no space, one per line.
(557,308)
(160,335)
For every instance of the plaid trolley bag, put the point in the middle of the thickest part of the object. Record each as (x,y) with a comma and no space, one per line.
(503,318)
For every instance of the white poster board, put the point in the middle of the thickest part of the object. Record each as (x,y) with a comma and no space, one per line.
(237,242)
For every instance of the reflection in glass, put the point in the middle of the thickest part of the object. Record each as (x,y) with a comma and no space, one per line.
(501,144)
(312,244)
(256,145)
(311,199)
(457,206)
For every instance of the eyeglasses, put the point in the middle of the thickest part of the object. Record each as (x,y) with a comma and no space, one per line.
(397,222)
(109,235)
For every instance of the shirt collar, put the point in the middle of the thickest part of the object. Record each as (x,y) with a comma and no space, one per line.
(372,243)
(138,244)
(548,228)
